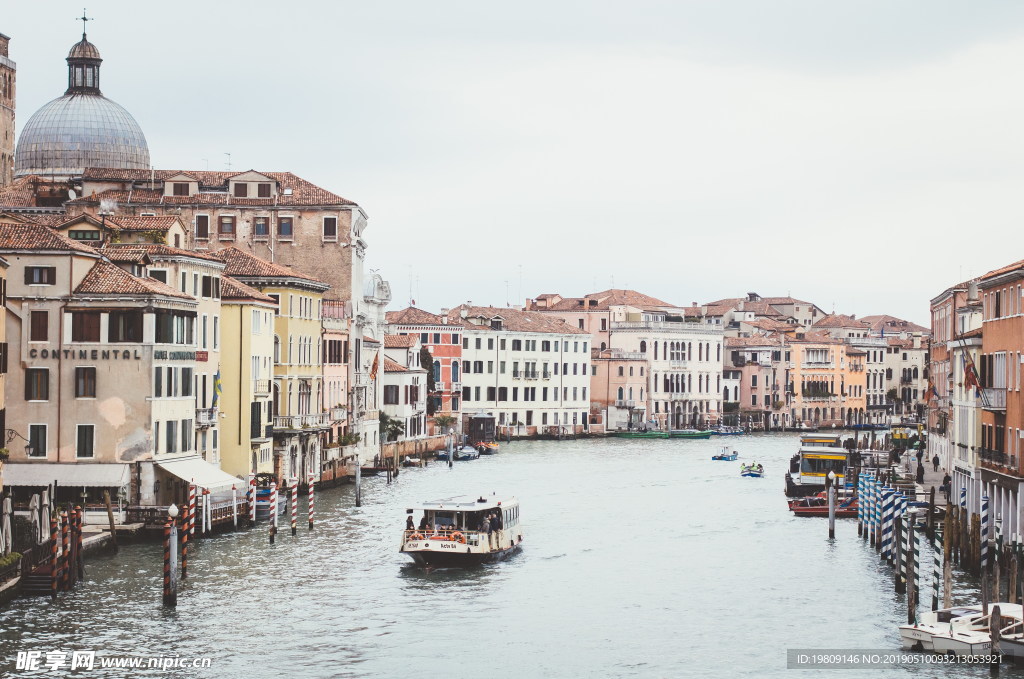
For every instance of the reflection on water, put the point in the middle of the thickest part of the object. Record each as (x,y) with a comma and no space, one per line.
(641,558)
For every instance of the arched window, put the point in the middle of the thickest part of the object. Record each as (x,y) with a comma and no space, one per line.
(455,371)
(620,393)
(437,371)
(643,346)
(620,371)
(630,371)
(631,393)
(915,373)
(603,346)
(277,349)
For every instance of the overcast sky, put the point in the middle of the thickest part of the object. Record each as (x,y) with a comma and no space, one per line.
(861,155)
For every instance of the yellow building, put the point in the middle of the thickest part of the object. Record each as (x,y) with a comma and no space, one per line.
(247,369)
(297,391)
(827,381)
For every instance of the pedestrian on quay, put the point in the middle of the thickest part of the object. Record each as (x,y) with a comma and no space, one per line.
(947,484)
(920,473)
(935,463)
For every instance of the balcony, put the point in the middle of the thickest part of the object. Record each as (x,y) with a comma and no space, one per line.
(997,458)
(993,398)
(206,417)
(620,403)
(261,387)
(339,414)
(517,373)
(441,387)
(456,387)
(531,374)
(301,422)
(546,374)
(678,365)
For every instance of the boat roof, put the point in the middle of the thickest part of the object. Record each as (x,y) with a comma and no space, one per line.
(469,503)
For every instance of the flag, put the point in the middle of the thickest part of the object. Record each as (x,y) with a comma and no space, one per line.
(930,393)
(373,369)
(970,374)
(217,388)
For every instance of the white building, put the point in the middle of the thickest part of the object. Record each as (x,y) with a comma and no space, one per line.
(405,386)
(530,370)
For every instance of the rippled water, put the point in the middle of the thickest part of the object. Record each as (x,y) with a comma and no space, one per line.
(641,559)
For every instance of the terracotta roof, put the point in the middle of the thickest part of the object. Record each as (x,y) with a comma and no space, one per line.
(393,367)
(32,237)
(399,341)
(892,324)
(516,320)
(126,255)
(854,351)
(107,279)
(756,341)
(413,316)
(20,192)
(367,338)
(758,308)
(158,223)
(157,251)
(598,301)
(48,219)
(839,321)
(769,324)
(785,300)
(233,289)
(242,264)
(815,337)
(302,191)
(970,333)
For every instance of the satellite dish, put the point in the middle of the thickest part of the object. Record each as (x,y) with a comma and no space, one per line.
(71,194)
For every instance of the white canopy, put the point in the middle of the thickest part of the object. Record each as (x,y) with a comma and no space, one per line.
(200,472)
(81,474)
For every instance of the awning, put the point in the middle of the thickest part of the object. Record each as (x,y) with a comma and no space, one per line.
(74,474)
(200,472)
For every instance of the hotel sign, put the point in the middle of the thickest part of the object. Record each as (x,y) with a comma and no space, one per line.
(87,354)
(175,355)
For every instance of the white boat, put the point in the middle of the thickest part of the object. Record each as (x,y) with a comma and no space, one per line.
(451,531)
(972,635)
(919,637)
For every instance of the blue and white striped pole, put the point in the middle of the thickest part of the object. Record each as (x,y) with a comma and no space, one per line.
(963,497)
(917,567)
(860,505)
(936,569)
(984,533)
(867,507)
(888,497)
(874,511)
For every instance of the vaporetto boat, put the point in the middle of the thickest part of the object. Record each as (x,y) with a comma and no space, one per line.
(463,531)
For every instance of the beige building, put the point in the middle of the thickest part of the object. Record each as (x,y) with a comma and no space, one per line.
(105,374)
(405,386)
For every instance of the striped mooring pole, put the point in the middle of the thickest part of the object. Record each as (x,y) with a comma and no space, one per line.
(860,505)
(936,569)
(311,484)
(185,519)
(917,565)
(191,511)
(251,493)
(54,569)
(273,510)
(963,497)
(65,540)
(170,595)
(879,502)
(295,503)
(869,513)
(903,569)
(887,501)
(984,533)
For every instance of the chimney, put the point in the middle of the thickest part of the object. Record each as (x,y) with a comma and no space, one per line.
(444,311)
(463,313)
(972,292)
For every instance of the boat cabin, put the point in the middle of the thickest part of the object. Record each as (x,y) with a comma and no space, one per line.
(464,514)
(821,454)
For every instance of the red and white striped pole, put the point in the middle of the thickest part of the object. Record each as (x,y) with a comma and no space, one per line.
(252,501)
(295,501)
(311,484)
(273,511)
(192,508)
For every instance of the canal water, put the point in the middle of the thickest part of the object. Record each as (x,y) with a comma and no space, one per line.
(642,559)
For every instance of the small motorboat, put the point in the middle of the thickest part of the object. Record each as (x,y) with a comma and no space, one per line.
(727,454)
(408,461)
(818,506)
(728,431)
(642,434)
(464,453)
(453,531)
(936,623)
(487,448)
(973,635)
(754,470)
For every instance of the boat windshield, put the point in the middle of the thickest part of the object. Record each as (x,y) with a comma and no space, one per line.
(817,465)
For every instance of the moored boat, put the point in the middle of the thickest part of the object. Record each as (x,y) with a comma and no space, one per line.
(727,454)
(690,433)
(650,434)
(464,453)
(728,431)
(818,506)
(818,455)
(936,623)
(487,448)
(463,531)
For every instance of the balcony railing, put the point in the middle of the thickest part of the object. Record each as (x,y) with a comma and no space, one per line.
(338,414)
(546,374)
(678,365)
(531,374)
(517,373)
(994,398)
(299,422)
(997,457)
(623,403)
(261,387)
(206,417)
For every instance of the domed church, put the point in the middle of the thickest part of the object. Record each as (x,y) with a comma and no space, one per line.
(81,129)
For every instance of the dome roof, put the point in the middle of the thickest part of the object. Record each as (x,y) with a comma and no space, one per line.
(78,131)
(84,50)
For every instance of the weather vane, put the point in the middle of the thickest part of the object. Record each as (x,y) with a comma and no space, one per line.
(83,19)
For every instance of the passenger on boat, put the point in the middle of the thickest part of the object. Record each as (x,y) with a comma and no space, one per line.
(409,525)
(423,522)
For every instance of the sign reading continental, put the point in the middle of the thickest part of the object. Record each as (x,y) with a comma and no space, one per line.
(87,354)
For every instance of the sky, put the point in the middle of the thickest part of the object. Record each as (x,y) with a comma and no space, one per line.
(860,155)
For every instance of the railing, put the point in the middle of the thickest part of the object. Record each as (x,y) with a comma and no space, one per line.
(818,364)
(857,367)
(471,537)
(292,422)
(624,403)
(338,414)
(261,387)
(12,570)
(662,325)
(288,422)
(530,374)
(517,373)
(998,457)
(678,364)
(994,398)
(441,386)
(546,374)
(206,417)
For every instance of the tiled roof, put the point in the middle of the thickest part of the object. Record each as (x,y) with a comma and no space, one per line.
(599,301)
(815,337)
(369,340)
(393,367)
(242,264)
(20,193)
(854,351)
(413,316)
(892,324)
(158,251)
(32,237)
(107,279)
(785,300)
(302,191)
(839,321)
(159,223)
(759,308)
(234,289)
(124,254)
(769,324)
(516,320)
(756,341)
(399,341)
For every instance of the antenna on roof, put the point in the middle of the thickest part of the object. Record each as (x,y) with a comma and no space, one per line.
(228,160)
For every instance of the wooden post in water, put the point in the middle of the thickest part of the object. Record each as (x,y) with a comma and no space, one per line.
(79,541)
(54,569)
(931,513)
(901,553)
(994,623)
(1012,583)
(251,495)
(234,506)
(359,480)
(65,549)
(191,513)
(273,511)
(110,519)
(170,553)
